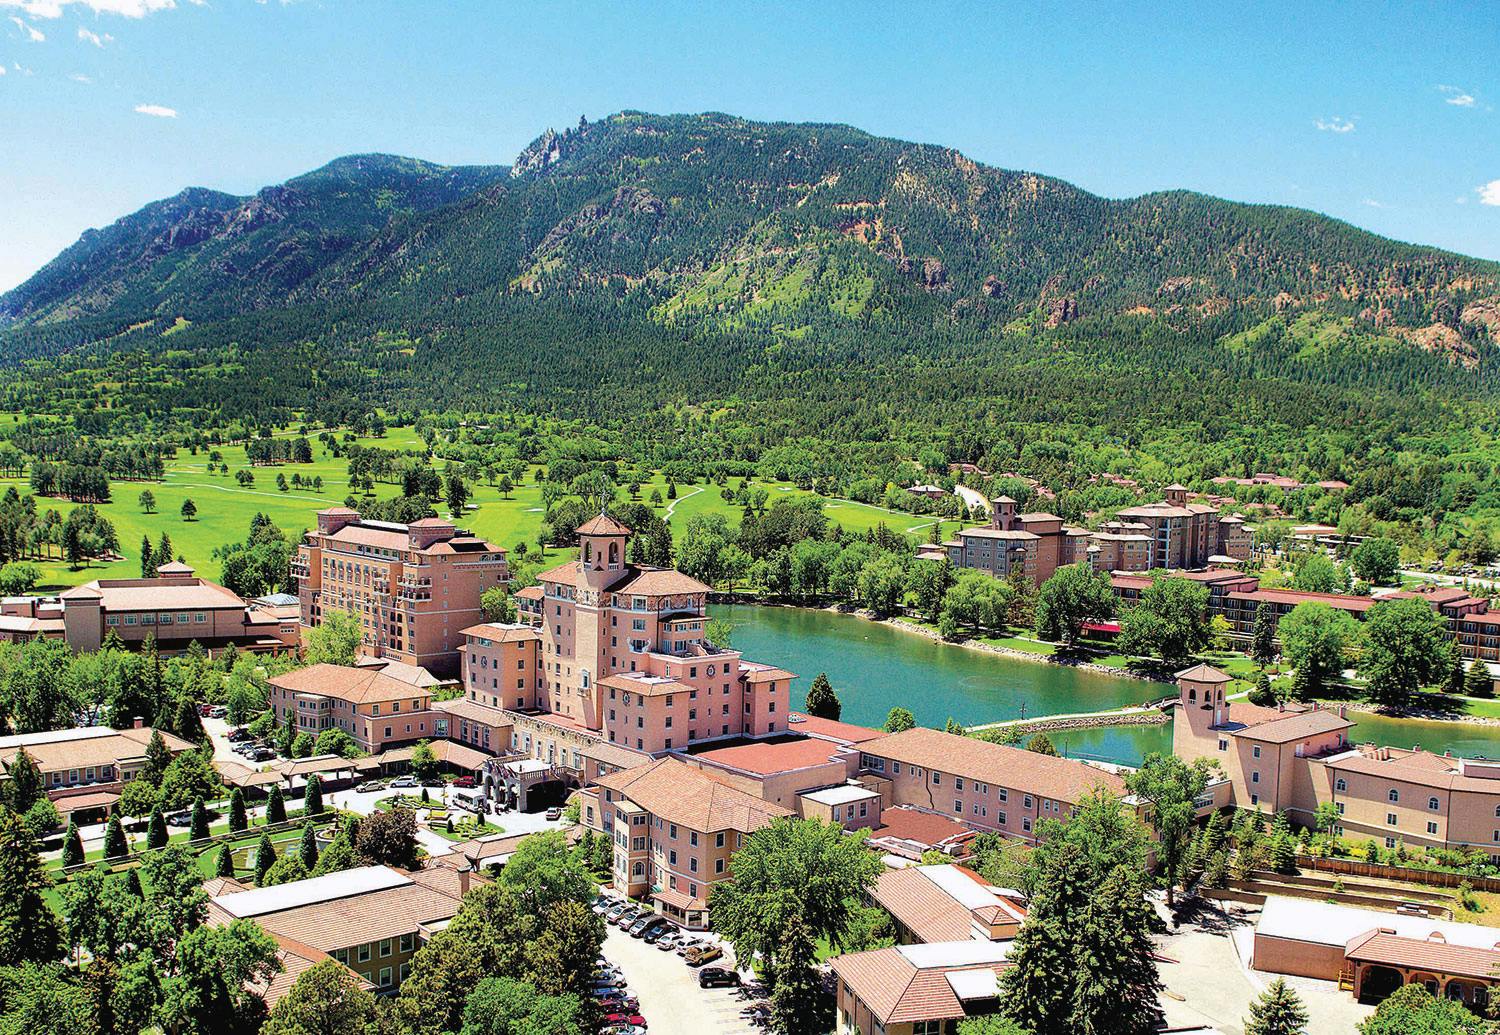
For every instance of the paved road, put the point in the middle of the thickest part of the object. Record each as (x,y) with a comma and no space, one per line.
(667,988)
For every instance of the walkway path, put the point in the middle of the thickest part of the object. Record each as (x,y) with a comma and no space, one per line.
(1032,719)
(673,505)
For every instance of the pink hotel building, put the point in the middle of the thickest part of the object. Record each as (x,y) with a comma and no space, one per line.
(414,588)
(1292,759)
(683,748)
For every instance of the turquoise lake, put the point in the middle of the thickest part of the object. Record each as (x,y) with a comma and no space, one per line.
(875,667)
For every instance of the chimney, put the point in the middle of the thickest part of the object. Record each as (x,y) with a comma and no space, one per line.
(463,880)
(137,723)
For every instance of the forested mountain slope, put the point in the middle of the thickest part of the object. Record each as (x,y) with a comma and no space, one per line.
(645,257)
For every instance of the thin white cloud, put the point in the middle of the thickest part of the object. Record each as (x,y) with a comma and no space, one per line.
(156,111)
(2,69)
(1335,125)
(31,32)
(1457,96)
(124,8)
(1372,203)
(97,39)
(79,77)
(1489,194)
(21,69)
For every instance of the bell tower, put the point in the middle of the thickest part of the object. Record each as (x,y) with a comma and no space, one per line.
(601,551)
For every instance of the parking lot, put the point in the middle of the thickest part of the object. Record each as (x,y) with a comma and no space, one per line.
(670,1000)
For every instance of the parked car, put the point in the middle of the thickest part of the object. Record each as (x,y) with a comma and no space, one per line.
(617,1004)
(624,920)
(263,754)
(658,932)
(706,954)
(669,941)
(238,734)
(218,711)
(179,819)
(370,785)
(203,710)
(718,977)
(624,1018)
(688,944)
(554,813)
(638,928)
(464,781)
(404,781)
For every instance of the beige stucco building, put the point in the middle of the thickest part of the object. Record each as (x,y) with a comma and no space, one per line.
(414,588)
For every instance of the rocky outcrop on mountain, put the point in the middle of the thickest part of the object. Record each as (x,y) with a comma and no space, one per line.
(1062,310)
(545,151)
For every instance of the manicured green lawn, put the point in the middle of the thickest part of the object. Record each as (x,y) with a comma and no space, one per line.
(225,508)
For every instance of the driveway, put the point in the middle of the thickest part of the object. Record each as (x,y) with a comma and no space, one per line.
(1210,984)
(667,988)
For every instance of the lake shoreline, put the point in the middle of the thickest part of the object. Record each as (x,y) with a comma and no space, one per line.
(907,625)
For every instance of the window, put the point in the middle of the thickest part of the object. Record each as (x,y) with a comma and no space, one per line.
(1432,804)
(958,783)
(1431,826)
(1341,784)
(1000,818)
(1393,795)
(1026,802)
(958,806)
(385,947)
(1003,794)
(1255,777)
(1223,745)
(385,977)
(1255,751)
(927,1028)
(719,839)
(364,953)
(1390,819)
(937,778)
(718,865)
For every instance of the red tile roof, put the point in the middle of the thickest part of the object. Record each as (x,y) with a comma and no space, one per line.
(832,729)
(772,757)
(1060,779)
(350,684)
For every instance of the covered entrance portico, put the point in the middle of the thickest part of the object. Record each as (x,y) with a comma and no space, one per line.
(1382,962)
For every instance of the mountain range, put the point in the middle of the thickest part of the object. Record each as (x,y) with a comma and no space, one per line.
(745,245)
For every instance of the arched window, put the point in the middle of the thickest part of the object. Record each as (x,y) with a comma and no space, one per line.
(588,551)
(1192,694)
(1341,784)
(1432,803)
(614,554)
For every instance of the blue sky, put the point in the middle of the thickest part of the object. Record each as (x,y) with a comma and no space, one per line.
(1381,115)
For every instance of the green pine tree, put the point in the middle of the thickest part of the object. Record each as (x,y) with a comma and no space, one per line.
(308,849)
(312,800)
(276,806)
(1278,1011)
(265,858)
(29,929)
(1115,985)
(199,829)
(224,863)
(72,852)
(156,830)
(822,702)
(1478,682)
(114,839)
(1037,989)
(1262,693)
(1263,637)
(237,820)
(799,1006)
